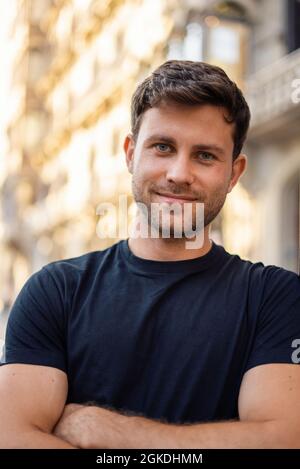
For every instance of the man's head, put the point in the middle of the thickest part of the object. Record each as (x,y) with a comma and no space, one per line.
(183,112)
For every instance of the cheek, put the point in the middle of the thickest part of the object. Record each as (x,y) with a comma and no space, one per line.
(214,184)
(143,179)
(216,178)
(148,171)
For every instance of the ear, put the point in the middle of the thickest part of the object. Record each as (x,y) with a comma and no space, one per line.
(129,146)
(238,168)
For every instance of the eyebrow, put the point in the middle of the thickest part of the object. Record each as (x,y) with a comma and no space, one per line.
(171,140)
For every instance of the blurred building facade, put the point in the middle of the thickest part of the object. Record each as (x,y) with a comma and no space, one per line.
(72,66)
(258,43)
(73,69)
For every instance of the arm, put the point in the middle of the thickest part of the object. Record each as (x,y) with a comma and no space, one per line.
(269,410)
(32,399)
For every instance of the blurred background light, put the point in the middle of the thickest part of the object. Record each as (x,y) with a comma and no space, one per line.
(69,68)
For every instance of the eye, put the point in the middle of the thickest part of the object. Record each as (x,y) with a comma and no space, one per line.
(162,147)
(205,156)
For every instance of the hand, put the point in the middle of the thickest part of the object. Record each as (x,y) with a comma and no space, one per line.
(89,427)
(63,427)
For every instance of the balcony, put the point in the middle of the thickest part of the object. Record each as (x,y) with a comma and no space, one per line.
(269,93)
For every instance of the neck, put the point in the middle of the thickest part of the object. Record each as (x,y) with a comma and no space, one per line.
(169,249)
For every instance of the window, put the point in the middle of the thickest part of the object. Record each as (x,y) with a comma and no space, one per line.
(193,42)
(227,39)
(218,35)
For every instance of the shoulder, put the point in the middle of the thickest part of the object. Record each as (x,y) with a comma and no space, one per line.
(66,270)
(281,287)
(273,279)
(265,275)
(263,283)
(56,282)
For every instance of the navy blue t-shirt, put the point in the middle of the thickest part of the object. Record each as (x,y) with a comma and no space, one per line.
(166,339)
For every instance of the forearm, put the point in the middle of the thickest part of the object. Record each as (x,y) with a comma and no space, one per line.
(144,433)
(138,432)
(31,438)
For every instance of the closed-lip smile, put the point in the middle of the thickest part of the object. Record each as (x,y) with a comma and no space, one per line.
(177,197)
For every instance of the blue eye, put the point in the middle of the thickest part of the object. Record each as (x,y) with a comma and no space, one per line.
(163,147)
(207,156)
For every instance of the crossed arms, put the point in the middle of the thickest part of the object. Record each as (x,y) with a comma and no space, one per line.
(33,415)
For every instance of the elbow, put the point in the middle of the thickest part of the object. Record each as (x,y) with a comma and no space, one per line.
(18,437)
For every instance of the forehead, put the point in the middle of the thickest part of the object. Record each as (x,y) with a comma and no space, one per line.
(190,123)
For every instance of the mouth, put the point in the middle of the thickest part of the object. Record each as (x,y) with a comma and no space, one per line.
(172,198)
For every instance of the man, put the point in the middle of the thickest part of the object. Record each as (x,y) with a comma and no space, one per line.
(151,344)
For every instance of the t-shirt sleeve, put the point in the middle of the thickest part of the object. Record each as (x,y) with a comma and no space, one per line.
(278,325)
(35,331)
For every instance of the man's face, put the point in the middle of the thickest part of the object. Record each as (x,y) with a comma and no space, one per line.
(186,152)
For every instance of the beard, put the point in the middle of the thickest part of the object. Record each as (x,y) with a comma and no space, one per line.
(213,204)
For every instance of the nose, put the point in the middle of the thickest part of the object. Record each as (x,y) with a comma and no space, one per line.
(180,170)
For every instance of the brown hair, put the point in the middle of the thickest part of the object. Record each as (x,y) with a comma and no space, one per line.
(192,83)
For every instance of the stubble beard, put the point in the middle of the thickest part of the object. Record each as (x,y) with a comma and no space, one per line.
(212,207)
